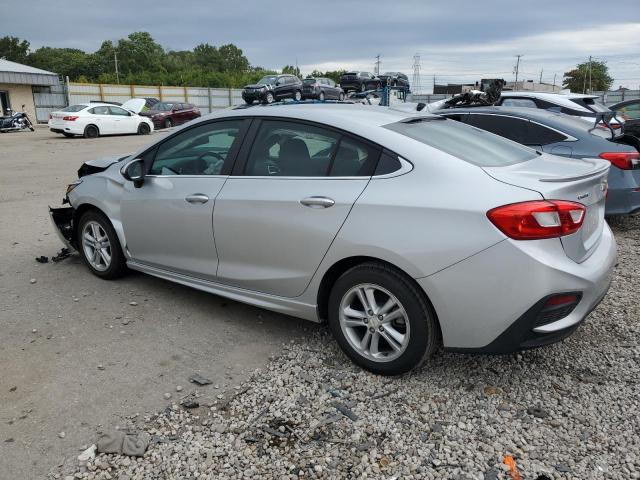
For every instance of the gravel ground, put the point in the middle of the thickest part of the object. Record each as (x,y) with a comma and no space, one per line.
(565,411)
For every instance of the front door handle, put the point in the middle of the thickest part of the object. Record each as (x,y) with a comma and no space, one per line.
(318,202)
(197,198)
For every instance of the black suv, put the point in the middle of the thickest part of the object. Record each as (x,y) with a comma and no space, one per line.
(272,88)
(359,81)
(394,79)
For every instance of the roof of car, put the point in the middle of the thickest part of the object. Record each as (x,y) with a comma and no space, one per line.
(546,117)
(625,103)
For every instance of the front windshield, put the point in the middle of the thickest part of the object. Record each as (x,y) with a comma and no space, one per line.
(269,80)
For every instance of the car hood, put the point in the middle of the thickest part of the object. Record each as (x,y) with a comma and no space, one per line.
(134,105)
(99,164)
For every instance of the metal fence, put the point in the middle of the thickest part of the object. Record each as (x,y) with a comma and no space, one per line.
(206,99)
(47,100)
(615,96)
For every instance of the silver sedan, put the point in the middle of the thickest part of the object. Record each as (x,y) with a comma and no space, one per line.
(404,232)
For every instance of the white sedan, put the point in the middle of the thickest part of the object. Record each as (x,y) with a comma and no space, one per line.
(94,119)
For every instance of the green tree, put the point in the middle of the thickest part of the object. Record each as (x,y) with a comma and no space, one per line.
(140,52)
(13,49)
(208,56)
(63,61)
(577,80)
(291,70)
(232,59)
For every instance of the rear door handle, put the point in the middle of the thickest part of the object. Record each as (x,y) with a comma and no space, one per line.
(197,198)
(318,202)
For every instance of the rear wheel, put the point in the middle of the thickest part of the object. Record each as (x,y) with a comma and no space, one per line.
(321,96)
(91,131)
(363,87)
(381,320)
(144,128)
(248,102)
(99,246)
(341,96)
(297,96)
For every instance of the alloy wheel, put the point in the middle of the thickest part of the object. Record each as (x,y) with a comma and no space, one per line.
(96,246)
(374,322)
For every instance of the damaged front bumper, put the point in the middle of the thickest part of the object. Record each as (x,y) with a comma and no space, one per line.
(62,219)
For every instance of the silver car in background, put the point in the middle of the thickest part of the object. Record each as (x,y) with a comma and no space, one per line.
(404,232)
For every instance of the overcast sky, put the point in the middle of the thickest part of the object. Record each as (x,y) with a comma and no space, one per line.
(456,42)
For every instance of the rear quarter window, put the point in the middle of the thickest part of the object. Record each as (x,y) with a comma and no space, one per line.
(465,142)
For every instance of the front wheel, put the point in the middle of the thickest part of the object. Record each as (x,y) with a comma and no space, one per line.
(363,87)
(321,96)
(168,123)
(99,246)
(297,96)
(341,96)
(381,320)
(269,98)
(144,129)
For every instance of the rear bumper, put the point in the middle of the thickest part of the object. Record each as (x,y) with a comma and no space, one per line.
(624,192)
(65,127)
(490,302)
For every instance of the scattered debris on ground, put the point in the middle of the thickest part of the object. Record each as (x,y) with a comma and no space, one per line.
(42,259)
(199,380)
(61,255)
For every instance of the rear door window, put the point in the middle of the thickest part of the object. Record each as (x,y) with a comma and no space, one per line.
(537,134)
(509,127)
(354,159)
(291,149)
(118,111)
(465,142)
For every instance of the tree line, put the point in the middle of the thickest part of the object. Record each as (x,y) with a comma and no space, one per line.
(143,61)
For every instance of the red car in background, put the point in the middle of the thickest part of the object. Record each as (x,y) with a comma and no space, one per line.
(168,114)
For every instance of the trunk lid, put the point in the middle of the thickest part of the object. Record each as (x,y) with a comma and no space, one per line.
(555,178)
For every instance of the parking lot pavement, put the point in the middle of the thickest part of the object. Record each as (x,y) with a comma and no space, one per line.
(74,353)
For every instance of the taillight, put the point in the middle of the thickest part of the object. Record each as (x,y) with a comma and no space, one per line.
(50,116)
(69,118)
(538,219)
(623,160)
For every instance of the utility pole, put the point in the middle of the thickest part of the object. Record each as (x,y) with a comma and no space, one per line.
(541,70)
(517,69)
(415,83)
(378,64)
(554,82)
(115,60)
(590,74)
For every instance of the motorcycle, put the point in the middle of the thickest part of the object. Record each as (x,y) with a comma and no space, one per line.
(15,121)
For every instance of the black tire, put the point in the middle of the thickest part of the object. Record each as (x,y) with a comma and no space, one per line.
(144,129)
(321,96)
(168,123)
(297,95)
(118,265)
(91,131)
(424,337)
(32,129)
(341,96)
(68,135)
(248,102)
(269,98)
(363,87)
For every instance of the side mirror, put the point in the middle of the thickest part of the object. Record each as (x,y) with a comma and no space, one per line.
(134,172)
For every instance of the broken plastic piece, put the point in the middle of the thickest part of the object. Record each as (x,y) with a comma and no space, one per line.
(62,254)
(42,259)
(199,379)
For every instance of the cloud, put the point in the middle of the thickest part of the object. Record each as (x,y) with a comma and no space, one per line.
(457,40)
